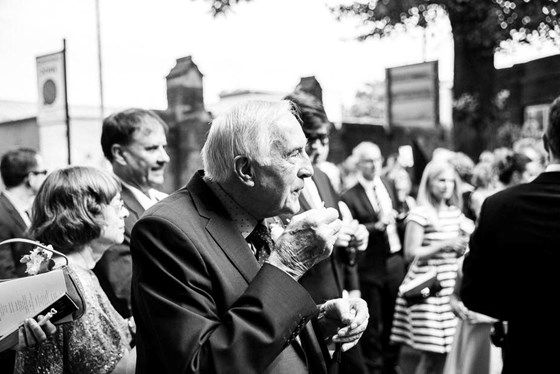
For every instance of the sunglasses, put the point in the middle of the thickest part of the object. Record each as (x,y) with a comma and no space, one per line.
(323,138)
(38,172)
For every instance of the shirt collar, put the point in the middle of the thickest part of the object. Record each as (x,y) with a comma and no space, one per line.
(552,167)
(243,220)
(366,184)
(145,200)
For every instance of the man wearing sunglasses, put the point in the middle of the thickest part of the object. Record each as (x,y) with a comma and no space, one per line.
(336,275)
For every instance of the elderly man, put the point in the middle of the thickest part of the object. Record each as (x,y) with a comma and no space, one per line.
(511,270)
(372,202)
(134,141)
(203,302)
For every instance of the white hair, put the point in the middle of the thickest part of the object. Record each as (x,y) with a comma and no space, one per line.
(247,129)
(365,149)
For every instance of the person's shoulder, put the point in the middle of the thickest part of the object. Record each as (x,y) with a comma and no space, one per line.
(419,214)
(355,189)
(175,202)
(509,194)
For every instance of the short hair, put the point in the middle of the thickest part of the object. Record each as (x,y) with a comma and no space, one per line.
(120,127)
(463,164)
(552,131)
(246,129)
(67,209)
(16,165)
(432,171)
(311,111)
(363,149)
(511,163)
(483,174)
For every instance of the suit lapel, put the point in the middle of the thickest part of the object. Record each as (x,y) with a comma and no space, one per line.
(364,201)
(133,206)
(321,181)
(16,218)
(222,229)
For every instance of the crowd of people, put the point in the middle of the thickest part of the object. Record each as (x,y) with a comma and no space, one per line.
(273,260)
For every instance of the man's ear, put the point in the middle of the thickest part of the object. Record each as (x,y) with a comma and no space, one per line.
(118,154)
(244,170)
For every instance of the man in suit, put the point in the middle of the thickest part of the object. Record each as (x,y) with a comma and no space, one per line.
(201,299)
(511,270)
(381,266)
(23,172)
(134,142)
(333,276)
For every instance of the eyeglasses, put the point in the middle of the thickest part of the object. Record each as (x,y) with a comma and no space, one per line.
(323,138)
(118,204)
(38,172)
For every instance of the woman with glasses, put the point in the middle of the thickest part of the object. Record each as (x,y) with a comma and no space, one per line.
(79,211)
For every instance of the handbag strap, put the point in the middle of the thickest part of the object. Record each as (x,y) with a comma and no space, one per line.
(410,266)
(35,243)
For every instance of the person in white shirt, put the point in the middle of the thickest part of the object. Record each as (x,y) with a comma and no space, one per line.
(372,201)
(134,141)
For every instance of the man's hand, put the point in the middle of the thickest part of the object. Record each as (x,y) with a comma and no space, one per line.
(360,238)
(343,321)
(33,332)
(346,233)
(308,239)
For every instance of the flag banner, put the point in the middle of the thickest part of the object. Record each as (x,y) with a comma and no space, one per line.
(50,84)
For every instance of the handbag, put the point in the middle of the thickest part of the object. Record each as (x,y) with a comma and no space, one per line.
(417,287)
(68,308)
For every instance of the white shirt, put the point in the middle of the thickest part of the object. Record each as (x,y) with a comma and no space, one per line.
(145,200)
(382,203)
(552,167)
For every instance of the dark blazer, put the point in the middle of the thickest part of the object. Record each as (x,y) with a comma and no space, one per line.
(372,262)
(327,279)
(512,270)
(200,300)
(114,269)
(11,226)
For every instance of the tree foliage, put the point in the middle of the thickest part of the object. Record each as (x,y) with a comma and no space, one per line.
(479,27)
(479,23)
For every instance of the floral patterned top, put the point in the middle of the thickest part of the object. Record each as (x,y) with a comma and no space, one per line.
(93,344)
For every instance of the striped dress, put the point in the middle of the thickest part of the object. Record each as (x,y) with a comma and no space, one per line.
(430,325)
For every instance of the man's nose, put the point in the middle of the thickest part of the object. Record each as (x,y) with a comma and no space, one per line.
(306,169)
(163,156)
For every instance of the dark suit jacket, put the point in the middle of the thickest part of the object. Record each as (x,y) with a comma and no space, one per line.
(11,226)
(512,270)
(114,269)
(372,266)
(201,302)
(327,279)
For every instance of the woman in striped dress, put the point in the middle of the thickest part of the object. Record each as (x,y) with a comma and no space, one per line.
(437,233)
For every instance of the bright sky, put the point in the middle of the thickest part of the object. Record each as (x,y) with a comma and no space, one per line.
(262,45)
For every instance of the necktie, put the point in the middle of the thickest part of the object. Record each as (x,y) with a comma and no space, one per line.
(262,241)
(377,201)
(391,229)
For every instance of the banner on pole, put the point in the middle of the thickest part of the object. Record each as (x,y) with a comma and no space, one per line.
(50,84)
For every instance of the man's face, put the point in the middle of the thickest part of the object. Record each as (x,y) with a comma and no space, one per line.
(317,144)
(146,157)
(37,175)
(278,185)
(370,164)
